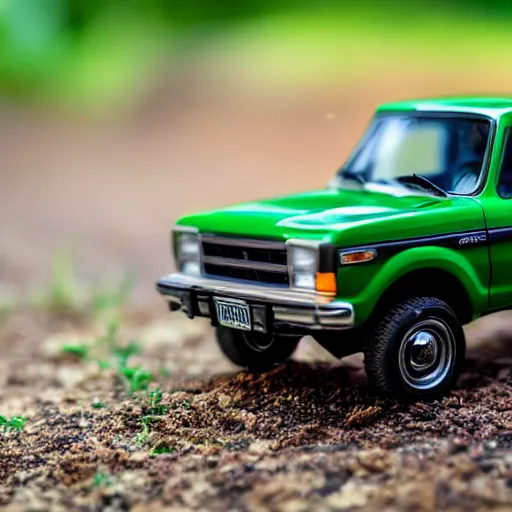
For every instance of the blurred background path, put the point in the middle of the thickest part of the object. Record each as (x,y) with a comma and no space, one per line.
(116,118)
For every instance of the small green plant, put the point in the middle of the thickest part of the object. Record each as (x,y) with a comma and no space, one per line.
(111,331)
(109,340)
(105,299)
(107,346)
(79,350)
(138,378)
(98,404)
(15,423)
(164,372)
(155,397)
(154,409)
(104,365)
(108,353)
(124,353)
(64,295)
(162,449)
(102,479)
(142,436)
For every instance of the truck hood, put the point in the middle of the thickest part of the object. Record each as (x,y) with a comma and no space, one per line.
(343,216)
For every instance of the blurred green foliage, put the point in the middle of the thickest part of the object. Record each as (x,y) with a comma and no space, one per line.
(93,48)
(96,52)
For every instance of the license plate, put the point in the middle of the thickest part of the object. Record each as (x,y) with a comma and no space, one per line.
(235,314)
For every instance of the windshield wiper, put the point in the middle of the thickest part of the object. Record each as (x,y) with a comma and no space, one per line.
(417,179)
(351,175)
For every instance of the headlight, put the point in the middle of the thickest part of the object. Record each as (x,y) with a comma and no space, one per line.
(188,247)
(303,265)
(187,250)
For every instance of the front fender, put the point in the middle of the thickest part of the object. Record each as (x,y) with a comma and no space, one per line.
(364,284)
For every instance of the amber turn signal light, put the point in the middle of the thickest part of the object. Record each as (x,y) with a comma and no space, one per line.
(358,257)
(326,282)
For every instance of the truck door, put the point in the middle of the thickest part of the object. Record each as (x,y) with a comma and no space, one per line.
(498,213)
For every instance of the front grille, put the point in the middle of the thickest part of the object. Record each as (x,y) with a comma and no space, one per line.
(246,274)
(248,260)
(277,256)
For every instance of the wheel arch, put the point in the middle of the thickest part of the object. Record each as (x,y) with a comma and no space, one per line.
(437,271)
(429,281)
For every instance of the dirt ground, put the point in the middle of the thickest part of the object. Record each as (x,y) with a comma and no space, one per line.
(308,435)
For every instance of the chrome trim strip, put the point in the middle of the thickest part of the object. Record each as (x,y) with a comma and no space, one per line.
(287,302)
(185,229)
(265,293)
(304,242)
(291,315)
(316,318)
(250,264)
(450,240)
(250,243)
(333,321)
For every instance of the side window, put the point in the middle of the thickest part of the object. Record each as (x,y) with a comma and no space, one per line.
(505,178)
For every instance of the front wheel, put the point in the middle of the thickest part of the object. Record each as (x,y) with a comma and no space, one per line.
(416,350)
(258,352)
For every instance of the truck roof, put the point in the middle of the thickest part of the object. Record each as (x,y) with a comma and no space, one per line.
(486,105)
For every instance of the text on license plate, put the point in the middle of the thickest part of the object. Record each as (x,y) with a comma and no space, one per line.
(233,314)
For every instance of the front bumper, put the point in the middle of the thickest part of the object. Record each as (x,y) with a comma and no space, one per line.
(275,308)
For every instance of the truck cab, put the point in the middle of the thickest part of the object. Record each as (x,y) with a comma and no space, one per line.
(408,242)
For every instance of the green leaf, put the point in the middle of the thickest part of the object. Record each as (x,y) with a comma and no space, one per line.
(128,372)
(102,479)
(160,410)
(164,372)
(104,365)
(155,397)
(138,378)
(162,448)
(77,350)
(16,422)
(124,353)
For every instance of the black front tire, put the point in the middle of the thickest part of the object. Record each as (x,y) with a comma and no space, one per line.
(416,350)
(258,352)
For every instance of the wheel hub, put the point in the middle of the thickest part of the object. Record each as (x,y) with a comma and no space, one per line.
(423,350)
(426,354)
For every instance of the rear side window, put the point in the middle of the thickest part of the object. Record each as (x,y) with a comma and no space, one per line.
(505,178)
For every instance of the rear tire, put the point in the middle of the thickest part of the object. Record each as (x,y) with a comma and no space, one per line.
(416,350)
(258,352)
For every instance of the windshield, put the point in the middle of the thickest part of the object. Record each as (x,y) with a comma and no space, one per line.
(447,151)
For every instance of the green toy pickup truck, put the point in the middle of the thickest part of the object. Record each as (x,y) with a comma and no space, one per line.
(410,240)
